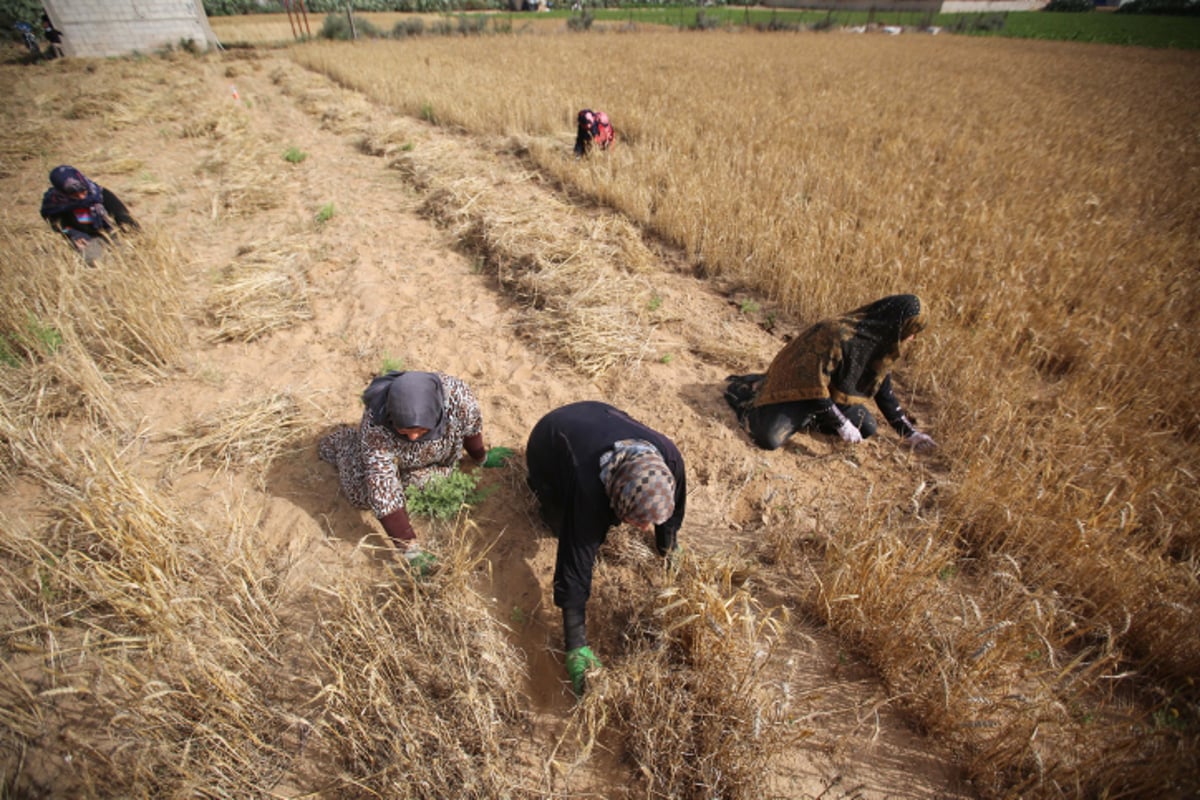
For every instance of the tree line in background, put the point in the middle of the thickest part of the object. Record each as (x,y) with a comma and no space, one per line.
(231,7)
(13,11)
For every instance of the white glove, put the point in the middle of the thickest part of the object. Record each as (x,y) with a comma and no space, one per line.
(848,432)
(919,442)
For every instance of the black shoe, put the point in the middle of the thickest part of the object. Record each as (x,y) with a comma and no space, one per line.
(742,390)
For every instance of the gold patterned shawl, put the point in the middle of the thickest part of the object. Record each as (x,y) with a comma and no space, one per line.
(846,358)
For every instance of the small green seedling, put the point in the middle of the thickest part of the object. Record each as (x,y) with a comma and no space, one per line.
(442,498)
(294,155)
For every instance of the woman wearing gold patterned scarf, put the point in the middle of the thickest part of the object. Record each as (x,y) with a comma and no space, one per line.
(822,380)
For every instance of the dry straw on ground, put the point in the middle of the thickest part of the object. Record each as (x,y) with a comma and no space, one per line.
(67,326)
(178,644)
(263,290)
(250,434)
(159,653)
(690,697)
(578,274)
(1053,256)
(422,696)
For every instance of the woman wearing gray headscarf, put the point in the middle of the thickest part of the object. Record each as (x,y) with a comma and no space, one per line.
(592,466)
(414,427)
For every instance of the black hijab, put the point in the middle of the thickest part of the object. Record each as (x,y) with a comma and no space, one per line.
(408,400)
(66,181)
(870,351)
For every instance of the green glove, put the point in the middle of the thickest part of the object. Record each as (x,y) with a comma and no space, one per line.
(497,456)
(675,558)
(579,661)
(420,562)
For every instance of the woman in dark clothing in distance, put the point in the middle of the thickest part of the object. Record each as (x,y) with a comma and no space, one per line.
(83,211)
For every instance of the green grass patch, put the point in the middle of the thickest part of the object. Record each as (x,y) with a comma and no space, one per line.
(8,355)
(442,498)
(36,339)
(1101,27)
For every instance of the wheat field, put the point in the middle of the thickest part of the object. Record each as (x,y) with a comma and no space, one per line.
(1042,199)
(1031,604)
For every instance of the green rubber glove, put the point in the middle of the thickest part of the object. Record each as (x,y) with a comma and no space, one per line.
(497,456)
(420,562)
(675,558)
(579,661)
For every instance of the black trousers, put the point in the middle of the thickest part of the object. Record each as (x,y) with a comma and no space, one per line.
(771,426)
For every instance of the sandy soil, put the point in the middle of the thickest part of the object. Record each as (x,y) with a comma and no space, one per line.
(386,282)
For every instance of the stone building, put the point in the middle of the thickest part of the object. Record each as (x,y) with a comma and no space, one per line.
(118,27)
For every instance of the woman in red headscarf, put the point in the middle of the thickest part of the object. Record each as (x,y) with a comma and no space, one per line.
(822,380)
(592,128)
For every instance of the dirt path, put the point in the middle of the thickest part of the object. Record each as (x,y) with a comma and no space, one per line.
(386,283)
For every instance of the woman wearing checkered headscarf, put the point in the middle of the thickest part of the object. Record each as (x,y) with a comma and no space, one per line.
(822,380)
(592,466)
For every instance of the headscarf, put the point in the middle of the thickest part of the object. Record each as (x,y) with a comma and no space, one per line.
(408,400)
(846,358)
(640,486)
(65,181)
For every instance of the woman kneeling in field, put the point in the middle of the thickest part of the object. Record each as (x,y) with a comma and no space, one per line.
(414,428)
(823,378)
(84,212)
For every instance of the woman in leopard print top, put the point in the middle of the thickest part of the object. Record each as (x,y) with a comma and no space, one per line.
(414,427)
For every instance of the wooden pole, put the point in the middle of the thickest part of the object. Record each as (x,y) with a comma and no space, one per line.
(287,6)
(304,11)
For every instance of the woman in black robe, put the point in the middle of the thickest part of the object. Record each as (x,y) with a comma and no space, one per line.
(83,211)
(592,466)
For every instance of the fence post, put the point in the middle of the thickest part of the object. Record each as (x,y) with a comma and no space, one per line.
(287,6)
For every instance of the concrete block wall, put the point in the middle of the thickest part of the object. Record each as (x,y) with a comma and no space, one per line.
(978,6)
(119,27)
(913,6)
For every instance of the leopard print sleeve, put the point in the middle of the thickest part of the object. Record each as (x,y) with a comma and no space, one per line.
(377,445)
(465,418)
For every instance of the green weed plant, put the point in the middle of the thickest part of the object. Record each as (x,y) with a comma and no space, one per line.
(443,498)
